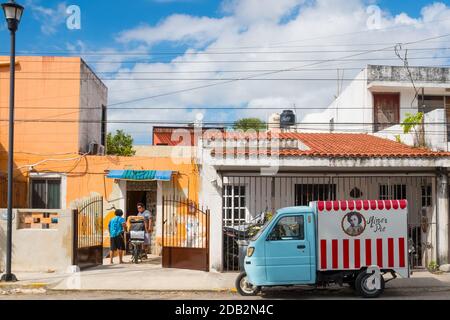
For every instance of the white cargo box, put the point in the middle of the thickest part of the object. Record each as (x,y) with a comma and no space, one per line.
(356,234)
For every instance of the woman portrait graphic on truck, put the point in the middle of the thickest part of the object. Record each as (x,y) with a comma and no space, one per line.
(356,222)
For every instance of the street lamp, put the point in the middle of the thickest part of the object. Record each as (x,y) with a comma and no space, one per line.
(13,14)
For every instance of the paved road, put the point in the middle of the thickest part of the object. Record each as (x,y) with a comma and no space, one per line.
(291,293)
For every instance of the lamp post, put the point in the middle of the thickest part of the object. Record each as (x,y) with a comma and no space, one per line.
(13,14)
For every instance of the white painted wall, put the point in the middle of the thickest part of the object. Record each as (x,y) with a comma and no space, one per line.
(211,195)
(358,95)
(355,95)
(37,250)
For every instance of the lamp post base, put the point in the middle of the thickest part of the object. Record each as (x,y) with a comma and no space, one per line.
(8,278)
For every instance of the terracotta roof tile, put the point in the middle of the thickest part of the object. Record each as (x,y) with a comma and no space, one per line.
(348,145)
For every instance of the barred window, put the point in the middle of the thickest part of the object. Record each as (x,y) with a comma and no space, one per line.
(45,193)
(234,204)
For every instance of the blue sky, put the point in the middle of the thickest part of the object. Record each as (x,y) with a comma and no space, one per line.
(148,28)
(103,19)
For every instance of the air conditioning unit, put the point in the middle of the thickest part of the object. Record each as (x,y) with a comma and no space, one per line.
(96,149)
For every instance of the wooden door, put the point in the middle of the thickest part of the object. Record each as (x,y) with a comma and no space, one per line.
(386,108)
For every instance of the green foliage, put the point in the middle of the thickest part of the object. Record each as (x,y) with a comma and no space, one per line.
(119,144)
(250,123)
(414,122)
(398,138)
(411,121)
(433,266)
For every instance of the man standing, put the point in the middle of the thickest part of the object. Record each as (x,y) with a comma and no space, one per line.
(142,212)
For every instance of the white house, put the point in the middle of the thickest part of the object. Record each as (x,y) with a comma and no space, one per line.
(255,174)
(379,98)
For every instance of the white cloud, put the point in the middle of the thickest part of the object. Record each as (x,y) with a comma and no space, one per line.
(336,26)
(179,28)
(51,18)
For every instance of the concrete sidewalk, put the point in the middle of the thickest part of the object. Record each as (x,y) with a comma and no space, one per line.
(150,276)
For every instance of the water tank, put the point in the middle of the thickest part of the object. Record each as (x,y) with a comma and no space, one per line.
(287,119)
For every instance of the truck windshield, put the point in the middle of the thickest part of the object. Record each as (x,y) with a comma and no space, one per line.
(256,236)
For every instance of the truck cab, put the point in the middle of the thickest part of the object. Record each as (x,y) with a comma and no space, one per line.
(284,251)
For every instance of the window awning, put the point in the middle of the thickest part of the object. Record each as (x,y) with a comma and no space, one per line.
(140,175)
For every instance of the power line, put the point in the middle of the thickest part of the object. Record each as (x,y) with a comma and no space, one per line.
(205,122)
(219,79)
(149,61)
(197,108)
(150,53)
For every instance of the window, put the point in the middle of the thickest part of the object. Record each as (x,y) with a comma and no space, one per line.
(426,196)
(386,108)
(305,193)
(429,103)
(46,193)
(289,228)
(393,192)
(234,204)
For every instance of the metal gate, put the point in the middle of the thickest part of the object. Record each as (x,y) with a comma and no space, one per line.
(88,233)
(246,198)
(185,235)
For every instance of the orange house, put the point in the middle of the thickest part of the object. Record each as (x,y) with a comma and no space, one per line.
(60,129)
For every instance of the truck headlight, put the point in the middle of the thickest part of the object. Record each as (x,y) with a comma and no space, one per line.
(250,251)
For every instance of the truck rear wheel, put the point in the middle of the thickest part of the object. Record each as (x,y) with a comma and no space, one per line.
(244,287)
(365,285)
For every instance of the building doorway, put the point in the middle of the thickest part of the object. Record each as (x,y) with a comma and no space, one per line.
(143,192)
(133,198)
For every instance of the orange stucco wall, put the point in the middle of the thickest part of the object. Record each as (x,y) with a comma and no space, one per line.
(47,89)
(86,175)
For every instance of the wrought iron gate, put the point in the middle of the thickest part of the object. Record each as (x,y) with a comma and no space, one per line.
(88,233)
(185,235)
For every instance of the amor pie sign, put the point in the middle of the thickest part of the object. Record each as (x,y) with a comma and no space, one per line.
(355,234)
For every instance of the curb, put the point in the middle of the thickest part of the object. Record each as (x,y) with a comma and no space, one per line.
(233,290)
(34,285)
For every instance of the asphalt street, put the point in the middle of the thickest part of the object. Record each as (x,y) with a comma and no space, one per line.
(273,293)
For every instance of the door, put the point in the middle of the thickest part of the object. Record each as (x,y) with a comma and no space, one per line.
(133,198)
(288,252)
(386,110)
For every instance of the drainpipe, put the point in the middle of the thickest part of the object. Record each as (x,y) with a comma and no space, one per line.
(442,216)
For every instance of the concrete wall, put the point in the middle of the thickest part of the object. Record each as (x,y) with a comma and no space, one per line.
(436,130)
(39,250)
(93,95)
(352,106)
(352,110)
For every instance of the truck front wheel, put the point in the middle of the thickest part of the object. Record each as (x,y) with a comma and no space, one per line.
(244,287)
(367,286)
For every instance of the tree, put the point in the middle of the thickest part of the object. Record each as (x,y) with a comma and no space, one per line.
(414,122)
(250,123)
(119,144)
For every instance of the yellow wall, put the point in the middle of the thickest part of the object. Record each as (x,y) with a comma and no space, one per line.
(46,88)
(87,175)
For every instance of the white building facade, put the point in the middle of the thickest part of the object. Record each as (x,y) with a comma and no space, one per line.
(379,99)
(239,186)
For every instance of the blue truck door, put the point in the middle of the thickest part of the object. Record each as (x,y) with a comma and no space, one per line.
(288,251)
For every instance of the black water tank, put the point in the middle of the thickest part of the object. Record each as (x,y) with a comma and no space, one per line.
(287,119)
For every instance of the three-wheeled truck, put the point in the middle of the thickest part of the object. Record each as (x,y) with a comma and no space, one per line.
(330,242)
